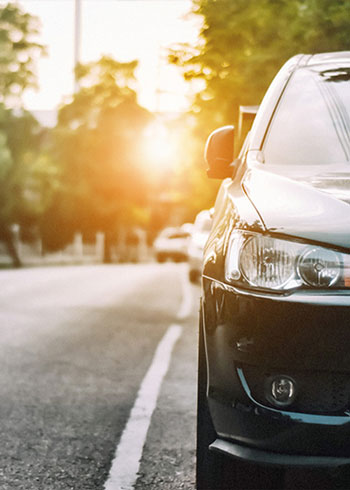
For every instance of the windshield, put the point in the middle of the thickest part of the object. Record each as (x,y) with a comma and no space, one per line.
(312,123)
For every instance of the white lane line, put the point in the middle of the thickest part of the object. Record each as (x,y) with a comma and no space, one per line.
(126,463)
(187,298)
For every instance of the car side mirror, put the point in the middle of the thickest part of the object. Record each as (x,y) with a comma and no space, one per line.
(218,153)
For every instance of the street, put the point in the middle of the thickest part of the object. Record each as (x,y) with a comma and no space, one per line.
(75,345)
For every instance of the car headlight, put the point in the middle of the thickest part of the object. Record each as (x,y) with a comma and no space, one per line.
(264,262)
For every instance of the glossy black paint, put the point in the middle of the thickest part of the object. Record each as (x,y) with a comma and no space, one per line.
(299,209)
(233,210)
(306,332)
(262,457)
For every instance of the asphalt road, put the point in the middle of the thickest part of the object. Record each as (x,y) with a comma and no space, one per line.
(75,345)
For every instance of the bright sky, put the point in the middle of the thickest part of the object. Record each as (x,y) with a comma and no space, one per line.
(124,29)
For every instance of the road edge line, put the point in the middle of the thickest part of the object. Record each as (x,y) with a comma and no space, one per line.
(126,462)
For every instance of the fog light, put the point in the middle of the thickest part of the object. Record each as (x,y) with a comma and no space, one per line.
(280,390)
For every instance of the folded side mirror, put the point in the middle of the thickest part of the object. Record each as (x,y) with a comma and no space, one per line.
(218,153)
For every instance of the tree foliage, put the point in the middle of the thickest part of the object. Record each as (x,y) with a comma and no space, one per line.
(18,51)
(25,171)
(97,142)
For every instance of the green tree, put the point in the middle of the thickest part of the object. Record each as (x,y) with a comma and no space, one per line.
(98,139)
(27,176)
(23,172)
(18,51)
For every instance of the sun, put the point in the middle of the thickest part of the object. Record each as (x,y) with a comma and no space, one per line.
(160,146)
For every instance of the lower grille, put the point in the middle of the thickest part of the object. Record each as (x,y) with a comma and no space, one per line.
(318,392)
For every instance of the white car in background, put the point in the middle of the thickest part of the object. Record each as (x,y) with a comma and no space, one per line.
(200,233)
(172,243)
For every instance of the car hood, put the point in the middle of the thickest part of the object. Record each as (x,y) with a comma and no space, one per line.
(309,205)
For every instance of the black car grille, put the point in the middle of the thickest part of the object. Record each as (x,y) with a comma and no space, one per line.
(317,392)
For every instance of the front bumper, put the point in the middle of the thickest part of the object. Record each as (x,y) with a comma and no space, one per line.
(259,456)
(309,336)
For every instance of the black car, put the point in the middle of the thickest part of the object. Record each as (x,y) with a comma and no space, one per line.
(274,353)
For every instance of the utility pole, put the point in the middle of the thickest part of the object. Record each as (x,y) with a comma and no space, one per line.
(77,40)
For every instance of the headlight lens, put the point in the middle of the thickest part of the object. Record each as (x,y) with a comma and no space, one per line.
(319,267)
(263,262)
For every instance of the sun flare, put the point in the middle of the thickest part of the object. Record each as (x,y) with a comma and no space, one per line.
(160,146)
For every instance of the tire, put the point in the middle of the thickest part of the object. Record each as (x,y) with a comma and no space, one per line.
(215,471)
(161,258)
